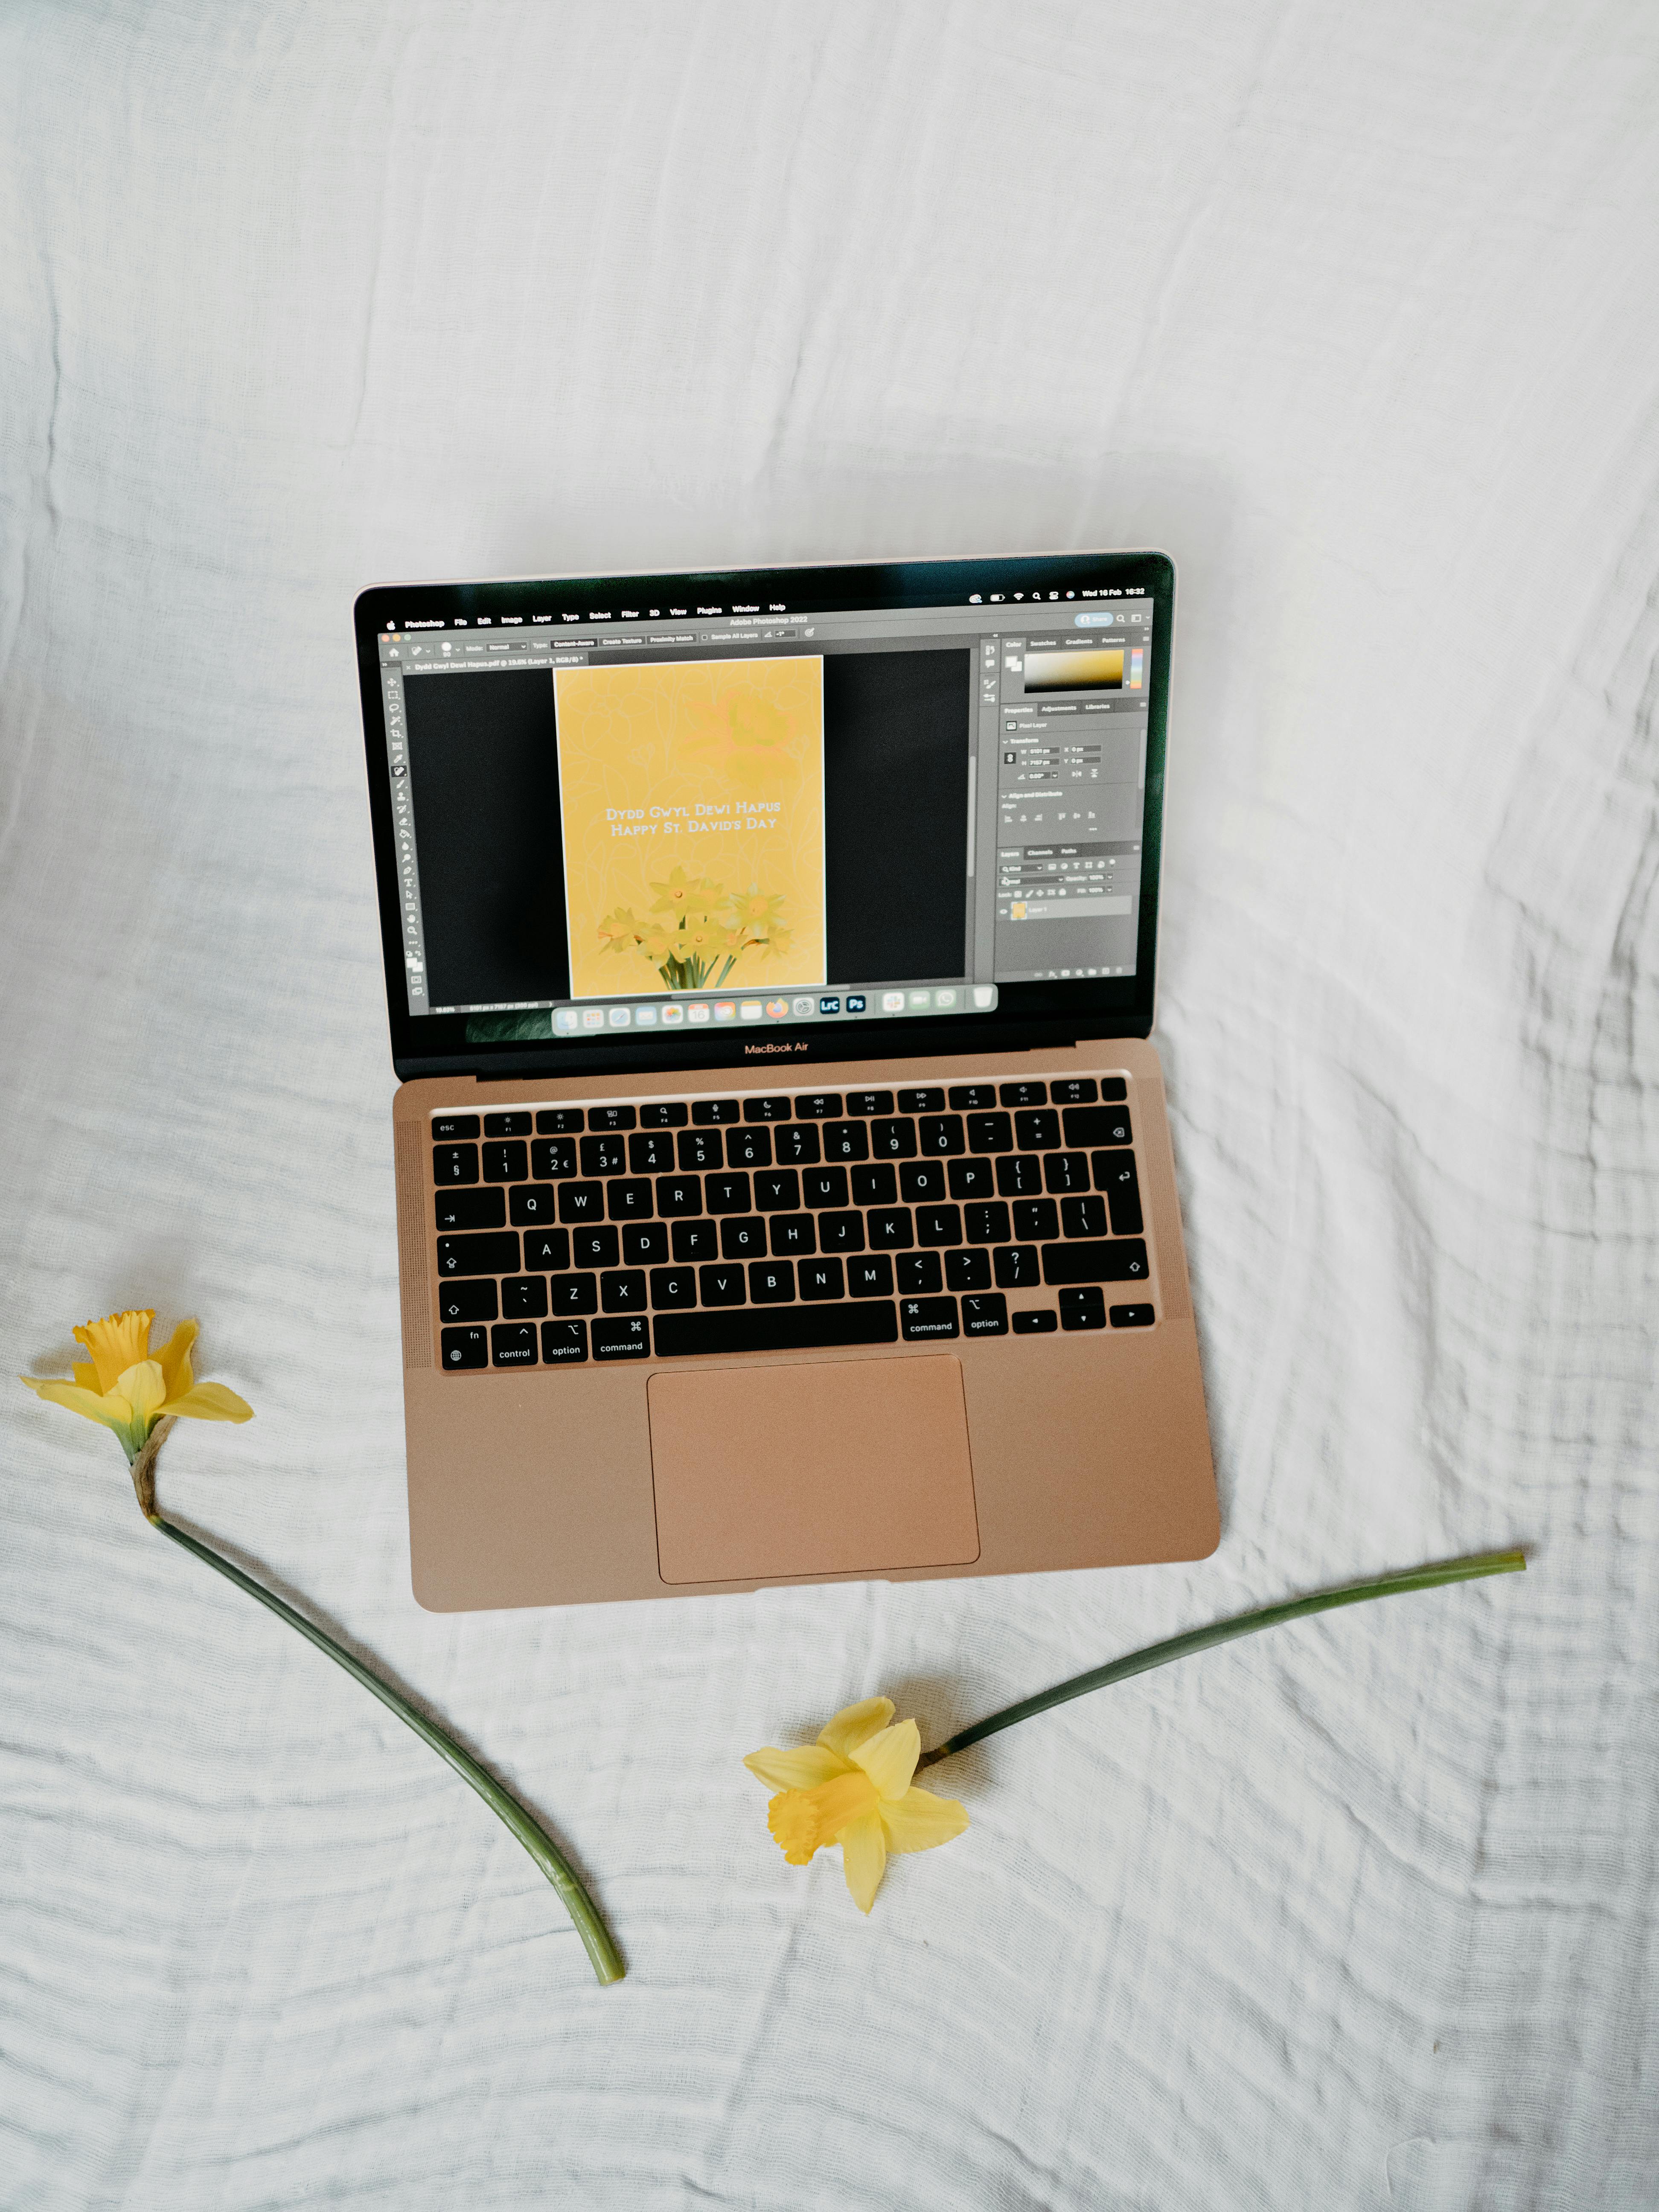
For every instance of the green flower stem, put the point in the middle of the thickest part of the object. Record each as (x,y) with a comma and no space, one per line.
(1223,1632)
(596,1936)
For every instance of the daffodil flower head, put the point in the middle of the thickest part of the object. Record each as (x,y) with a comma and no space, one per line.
(853,1787)
(122,1387)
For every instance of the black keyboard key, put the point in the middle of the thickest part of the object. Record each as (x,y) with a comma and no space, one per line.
(449,1128)
(841,1232)
(1115,1173)
(797,1144)
(1079,1091)
(922,1318)
(673,1287)
(1083,1216)
(1020,1175)
(581,1201)
(771,1283)
(530,1204)
(749,1148)
(574,1294)
(922,1102)
(454,1164)
(917,1273)
(743,1237)
(553,1158)
(462,1348)
(727,1194)
(1037,1129)
(700,1149)
(485,1208)
(939,1224)
(605,1155)
(594,1247)
(645,1244)
(986,1225)
(821,1279)
(629,1199)
(890,1228)
(1036,1218)
(942,1133)
(622,1291)
(524,1297)
(968,1270)
(923,1183)
(696,1240)
(668,1113)
(563,1343)
(869,1103)
(774,1329)
(560,1121)
(1097,1125)
(844,1140)
(1115,1260)
(1016,1266)
(679,1194)
(1064,1172)
(547,1250)
(1130,1316)
(496,1254)
(706,1112)
(871,1277)
(990,1133)
(818,1106)
(893,1140)
(507,1163)
(611,1117)
(972,1097)
(722,1286)
(1083,1309)
(514,1343)
(875,1185)
(621,1339)
(971,1178)
(824,1187)
(470,1301)
(1024,1094)
(766,1110)
(777,1191)
(1041,1320)
(793,1235)
(986,1315)
(507,1125)
(651,1152)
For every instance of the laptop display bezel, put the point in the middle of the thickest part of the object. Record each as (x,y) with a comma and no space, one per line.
(1027,1017)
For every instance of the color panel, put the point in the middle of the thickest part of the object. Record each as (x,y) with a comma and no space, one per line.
(1098,668)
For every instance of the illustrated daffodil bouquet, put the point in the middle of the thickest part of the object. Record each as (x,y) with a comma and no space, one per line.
(697,931)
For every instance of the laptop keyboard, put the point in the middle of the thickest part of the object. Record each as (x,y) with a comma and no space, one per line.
(800,1222)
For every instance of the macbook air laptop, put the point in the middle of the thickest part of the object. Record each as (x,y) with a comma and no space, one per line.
(784,1186)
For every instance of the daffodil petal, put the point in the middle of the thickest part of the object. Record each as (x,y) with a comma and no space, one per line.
(889,1757)
(802,1821)
(116,1343)
(795,1769)
(864,1859)
(920,1820)
(144,1390)
(853,1724)
(86,1376)
(174,1359)
(209,1401)
(111,1413)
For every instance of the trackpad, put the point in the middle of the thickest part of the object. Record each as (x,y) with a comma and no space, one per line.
(850,1466)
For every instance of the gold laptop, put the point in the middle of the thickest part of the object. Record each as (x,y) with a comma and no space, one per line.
(784,1184)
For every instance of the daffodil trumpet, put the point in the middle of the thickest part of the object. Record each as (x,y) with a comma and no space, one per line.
(139,1398)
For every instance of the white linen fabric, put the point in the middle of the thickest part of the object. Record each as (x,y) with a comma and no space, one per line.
(1353,310)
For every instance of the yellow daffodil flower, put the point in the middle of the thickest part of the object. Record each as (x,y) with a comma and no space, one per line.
(126,1390)
(853,1788)
(618,931)
(677,895)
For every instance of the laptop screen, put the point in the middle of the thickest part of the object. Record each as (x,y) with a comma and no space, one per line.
(768,813)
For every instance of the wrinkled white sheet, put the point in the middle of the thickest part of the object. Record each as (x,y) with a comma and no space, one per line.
(1351,309)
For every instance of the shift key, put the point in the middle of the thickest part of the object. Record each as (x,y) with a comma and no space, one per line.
(495,1254)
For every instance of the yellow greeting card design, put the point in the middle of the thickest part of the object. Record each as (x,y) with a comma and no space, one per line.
(692,802)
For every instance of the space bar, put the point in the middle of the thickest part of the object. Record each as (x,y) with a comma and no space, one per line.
(774,1329)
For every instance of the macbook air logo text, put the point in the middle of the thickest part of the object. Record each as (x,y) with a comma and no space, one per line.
(759,1051)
